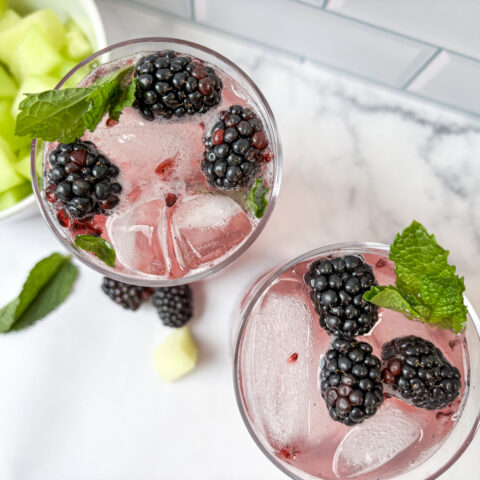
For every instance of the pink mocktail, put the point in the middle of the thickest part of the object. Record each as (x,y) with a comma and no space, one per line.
(172,224)
(280,350)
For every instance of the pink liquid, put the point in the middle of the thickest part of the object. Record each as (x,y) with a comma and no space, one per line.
(169,223)
(279,366)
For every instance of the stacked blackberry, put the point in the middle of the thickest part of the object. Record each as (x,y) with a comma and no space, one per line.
(352,377)
(169,85)
(82,179)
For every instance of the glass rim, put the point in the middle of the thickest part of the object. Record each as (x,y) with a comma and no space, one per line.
(264,282)
(276,146)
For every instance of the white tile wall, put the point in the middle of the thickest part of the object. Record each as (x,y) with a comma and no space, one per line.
(452,80)
(179,8)
(451,24)
(310,32)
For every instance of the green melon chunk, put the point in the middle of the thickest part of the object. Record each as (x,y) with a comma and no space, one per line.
(33,84)
(8,177)
(34,55)
(8,19)
(78,45)
(177,355)
(13,195)
(22,165)
(8,87)
(46,20)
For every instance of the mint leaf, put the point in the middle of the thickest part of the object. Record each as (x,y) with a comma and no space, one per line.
(125,98)
(65,114)
(38,277)
(47,285)
(99,246)
(107,95)
(7,315)
(257,198)
(427,287)
(54,114)
(50,297)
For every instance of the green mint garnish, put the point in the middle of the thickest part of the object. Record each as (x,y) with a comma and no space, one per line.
(257,198)
(99,246)
(48,284)
(427,287)
(64,115)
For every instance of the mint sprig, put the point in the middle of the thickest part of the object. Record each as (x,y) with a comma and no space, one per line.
(427,287)
(64,115)
(48,284)
(99,246)
(257,198)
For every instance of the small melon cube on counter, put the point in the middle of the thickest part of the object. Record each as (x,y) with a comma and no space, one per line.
(13,195)
(8,87)
(46,20)
(34,55)
(33,84)
(8,177)
(8,19)
(177,355)
(78,45)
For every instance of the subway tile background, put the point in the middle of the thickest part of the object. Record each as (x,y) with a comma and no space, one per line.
(428,48)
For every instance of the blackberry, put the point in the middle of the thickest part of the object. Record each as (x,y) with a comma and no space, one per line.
(172,84)
(174,305)
(234,148)
(350,381)
(417,371)
(128,296)
(337,287)
(82,179)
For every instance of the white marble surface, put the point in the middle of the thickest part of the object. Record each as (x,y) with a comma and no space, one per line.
(80,396)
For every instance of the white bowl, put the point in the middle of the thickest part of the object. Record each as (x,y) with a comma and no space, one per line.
(85,13)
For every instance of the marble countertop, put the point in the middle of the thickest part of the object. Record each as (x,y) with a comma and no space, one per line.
(80,395)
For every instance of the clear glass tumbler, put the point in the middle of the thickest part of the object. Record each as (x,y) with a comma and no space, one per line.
(278,351)
(254,99)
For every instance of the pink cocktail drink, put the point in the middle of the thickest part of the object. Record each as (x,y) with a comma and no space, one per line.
(171,223)
(279,355)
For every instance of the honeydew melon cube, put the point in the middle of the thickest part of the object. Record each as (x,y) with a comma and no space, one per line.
(22,165)
(78,45)
(8,19)
(46,20)
(8,87)
(13,195)
(33,84)
(34,55)
(177,355)
(8,177)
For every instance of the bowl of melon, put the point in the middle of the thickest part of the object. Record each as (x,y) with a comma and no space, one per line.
(40,42)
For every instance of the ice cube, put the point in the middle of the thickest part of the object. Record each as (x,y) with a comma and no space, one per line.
(139,237)
(278,390)
(205,227)
(375,442)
